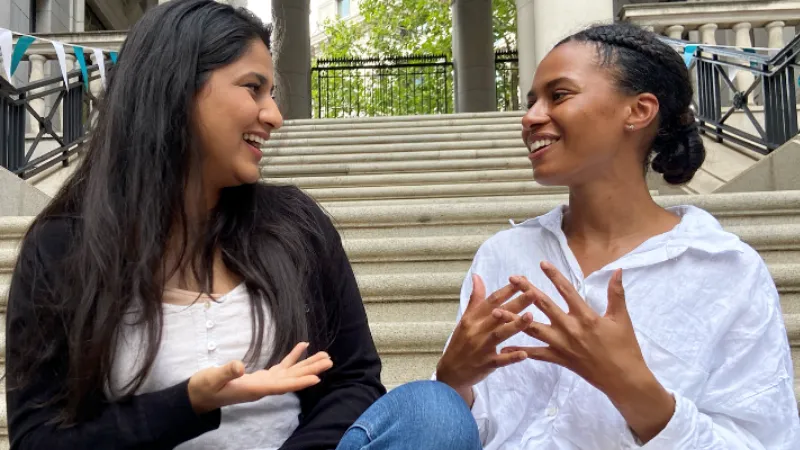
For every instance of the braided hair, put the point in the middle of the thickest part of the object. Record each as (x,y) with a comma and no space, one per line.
(640,62)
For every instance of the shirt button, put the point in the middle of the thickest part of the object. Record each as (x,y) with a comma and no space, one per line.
(552,411)
(212,346)
(209,324)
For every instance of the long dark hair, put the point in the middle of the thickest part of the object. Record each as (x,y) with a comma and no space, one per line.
(640,62)
(128,198)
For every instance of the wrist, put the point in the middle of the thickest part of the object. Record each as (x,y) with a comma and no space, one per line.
(463,390)
(645,404)
(200,404)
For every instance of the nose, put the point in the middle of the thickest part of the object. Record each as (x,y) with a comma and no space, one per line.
(270,114)
(535,117)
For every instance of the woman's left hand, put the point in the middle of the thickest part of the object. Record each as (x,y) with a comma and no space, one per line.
(603,350)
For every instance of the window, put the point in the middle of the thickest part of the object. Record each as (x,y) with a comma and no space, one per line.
(343,8)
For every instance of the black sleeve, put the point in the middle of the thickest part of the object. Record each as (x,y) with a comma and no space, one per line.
(353,383)
(158,420)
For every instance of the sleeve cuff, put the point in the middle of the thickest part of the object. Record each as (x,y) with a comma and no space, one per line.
(185,424)
(673,435)
(480,411)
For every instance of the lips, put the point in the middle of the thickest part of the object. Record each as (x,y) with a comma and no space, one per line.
(537,143)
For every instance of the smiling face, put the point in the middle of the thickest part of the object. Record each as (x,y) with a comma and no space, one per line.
(234,115)
(576,119)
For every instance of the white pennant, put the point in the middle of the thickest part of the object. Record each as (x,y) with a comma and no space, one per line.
(732,72)
(6,51)
(62,61)
(100,60)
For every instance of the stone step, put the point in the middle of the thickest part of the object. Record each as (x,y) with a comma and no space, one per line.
(781,245)
(410,351)
(411,197)
(430,194)
(519,161)
(421,122)
(405,179)
(403,129)
(403,147)
(409,118)
(322,143)
(756,208)
(390,156)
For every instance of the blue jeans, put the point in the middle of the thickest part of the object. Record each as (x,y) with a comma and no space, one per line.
(424,415)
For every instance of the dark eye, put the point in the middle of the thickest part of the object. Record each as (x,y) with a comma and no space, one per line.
(253,87)
(559,95)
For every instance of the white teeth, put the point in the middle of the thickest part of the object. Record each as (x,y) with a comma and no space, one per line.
(255,139)
(536,145)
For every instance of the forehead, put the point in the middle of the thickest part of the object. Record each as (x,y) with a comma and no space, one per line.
(256,56)
(576,61)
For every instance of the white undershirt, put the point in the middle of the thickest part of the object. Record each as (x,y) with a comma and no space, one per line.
(198,336)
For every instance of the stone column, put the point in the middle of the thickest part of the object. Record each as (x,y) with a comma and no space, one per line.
(292,56)
(775,33)
(744,79)
(473,56)
(708,34)
(675,31)
(557,19)
(39,104)
(526,48)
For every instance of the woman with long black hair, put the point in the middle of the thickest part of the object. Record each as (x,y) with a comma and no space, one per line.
(167,298)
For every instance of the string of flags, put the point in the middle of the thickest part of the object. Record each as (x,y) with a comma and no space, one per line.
(12,55)
(690,53)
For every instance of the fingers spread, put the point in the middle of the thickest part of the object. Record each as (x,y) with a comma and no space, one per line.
(512,324)
(293,356)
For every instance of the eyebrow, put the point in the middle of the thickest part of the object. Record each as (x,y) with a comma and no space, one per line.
(550,84)
(260,77)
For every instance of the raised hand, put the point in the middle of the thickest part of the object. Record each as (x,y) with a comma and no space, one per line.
(472,353)
(603,350)
(216,387)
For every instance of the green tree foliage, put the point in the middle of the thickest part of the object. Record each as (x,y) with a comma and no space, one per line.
(395,28)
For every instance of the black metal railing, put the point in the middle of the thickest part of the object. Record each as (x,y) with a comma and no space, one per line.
(420,84)
(506,66)
(23,154)
(768,125)
(382,86)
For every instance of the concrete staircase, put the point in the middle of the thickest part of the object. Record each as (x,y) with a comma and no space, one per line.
(414,197)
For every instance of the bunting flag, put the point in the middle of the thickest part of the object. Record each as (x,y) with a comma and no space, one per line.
(19,51)
(100,60)
(11,55)
(62,61)
(6,43)
(81,57)
(688,54)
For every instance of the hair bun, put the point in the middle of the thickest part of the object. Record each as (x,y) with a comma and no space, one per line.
(680,156)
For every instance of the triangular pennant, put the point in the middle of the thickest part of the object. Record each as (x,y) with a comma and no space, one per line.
(6,43)
(688,54)
(100,60)
(62,61)
(19,51)
(732,72)
(82,63)
(114,56)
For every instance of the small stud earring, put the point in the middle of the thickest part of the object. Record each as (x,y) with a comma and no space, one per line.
(631,127)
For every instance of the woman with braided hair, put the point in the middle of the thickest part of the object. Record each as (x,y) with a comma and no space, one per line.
(636,325)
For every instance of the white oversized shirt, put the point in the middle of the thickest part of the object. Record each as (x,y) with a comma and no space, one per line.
(708,320)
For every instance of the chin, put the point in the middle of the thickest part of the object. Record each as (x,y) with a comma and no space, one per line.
(548,177)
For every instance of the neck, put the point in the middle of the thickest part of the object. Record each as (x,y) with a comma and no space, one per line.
(607,210)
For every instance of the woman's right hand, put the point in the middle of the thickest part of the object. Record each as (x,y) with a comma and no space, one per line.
(216,387)
(472,353)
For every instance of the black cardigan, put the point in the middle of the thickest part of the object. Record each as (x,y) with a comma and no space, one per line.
(164,419)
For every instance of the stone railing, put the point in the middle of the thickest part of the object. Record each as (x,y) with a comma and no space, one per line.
(739,23)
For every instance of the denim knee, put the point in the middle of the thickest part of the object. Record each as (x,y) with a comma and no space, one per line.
(421,415)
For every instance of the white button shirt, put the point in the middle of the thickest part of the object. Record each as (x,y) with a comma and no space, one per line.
(708,320)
